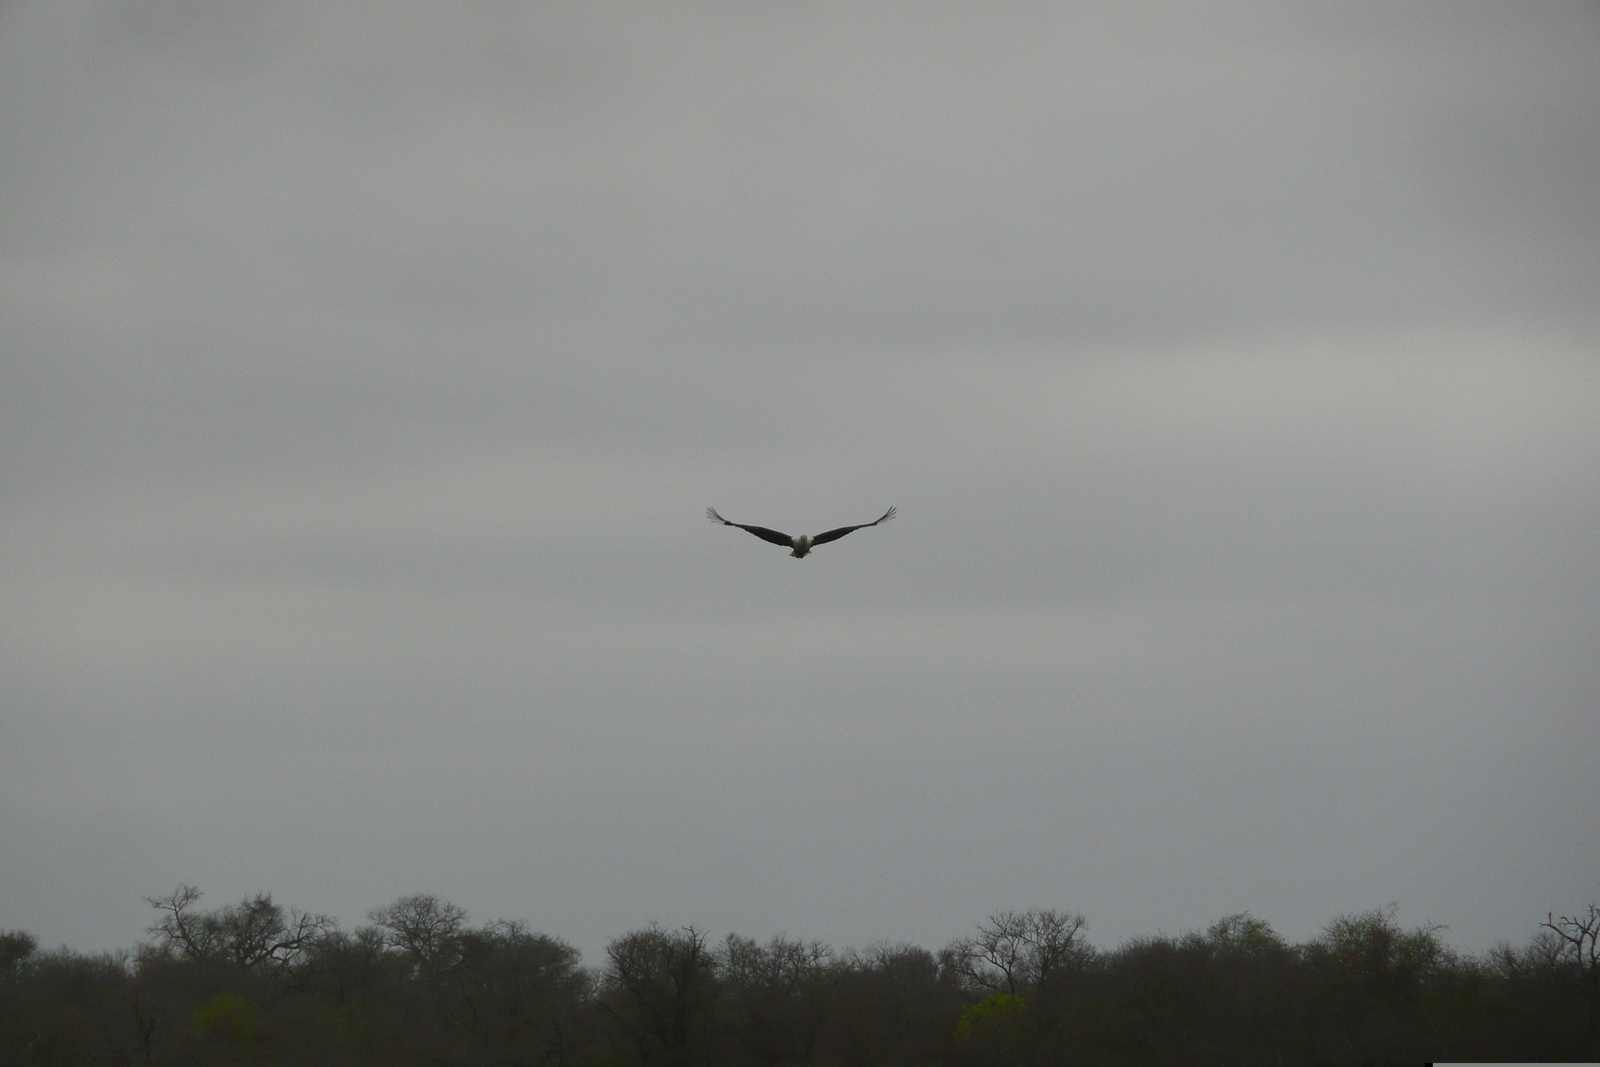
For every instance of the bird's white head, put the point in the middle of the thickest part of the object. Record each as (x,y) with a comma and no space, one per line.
(802,546)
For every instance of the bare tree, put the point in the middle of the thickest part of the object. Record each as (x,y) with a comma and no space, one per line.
(1022,951)
(779,966)
(424,927)
(256,933)
(769,994)
(660,987)
(1579,939)
(1575,943)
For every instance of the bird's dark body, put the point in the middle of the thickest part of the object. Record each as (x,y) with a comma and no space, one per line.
(800,544)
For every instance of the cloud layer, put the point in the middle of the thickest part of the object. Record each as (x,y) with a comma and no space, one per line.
(368,367)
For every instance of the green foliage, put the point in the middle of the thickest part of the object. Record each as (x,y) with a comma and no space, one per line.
(996,1018)
(229,1018)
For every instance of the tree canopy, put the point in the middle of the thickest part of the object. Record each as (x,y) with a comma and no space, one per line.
(255,982)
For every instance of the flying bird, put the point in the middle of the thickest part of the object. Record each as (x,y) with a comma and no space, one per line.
(802,544)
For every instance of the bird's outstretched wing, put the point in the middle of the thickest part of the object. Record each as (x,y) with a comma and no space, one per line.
(760,531)
(834,535)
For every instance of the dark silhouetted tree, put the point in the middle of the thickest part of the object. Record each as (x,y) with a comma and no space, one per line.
(15,948)
(659,989)
(1575,947)
(255,934)
(1022,952)
(1373,976)
(892,1003)
(524,993)
(770,995)
(425,928)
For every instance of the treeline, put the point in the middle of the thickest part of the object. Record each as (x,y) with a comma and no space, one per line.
(256,983)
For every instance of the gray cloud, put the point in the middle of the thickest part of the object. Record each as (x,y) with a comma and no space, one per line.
(368,366)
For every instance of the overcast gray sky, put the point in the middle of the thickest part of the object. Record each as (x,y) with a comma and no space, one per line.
(368,367)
